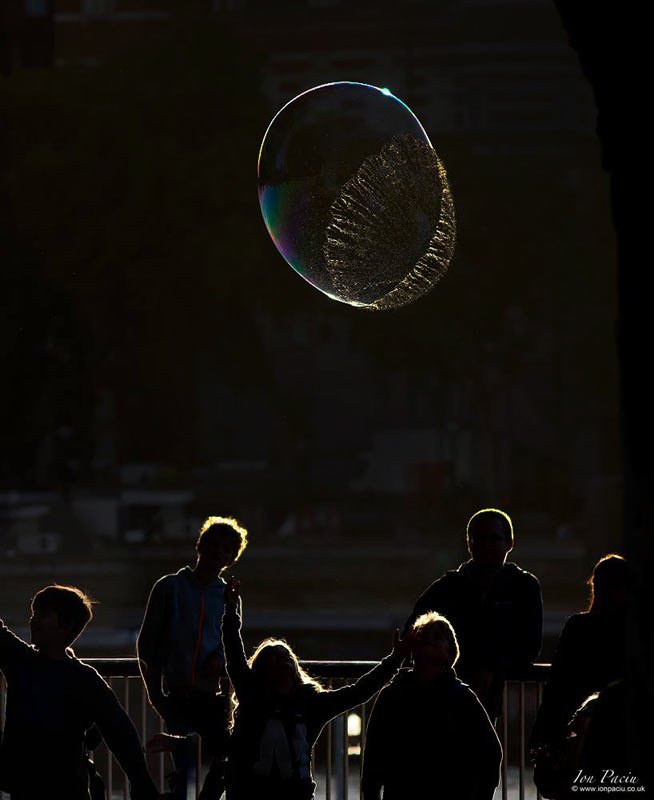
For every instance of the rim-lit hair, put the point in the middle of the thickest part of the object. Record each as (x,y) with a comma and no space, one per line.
(432,620)
(70,604)
(493,513)
(611,575)
(256,663)
(226,526)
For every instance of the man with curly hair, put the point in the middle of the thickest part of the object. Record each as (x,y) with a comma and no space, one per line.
(181,656)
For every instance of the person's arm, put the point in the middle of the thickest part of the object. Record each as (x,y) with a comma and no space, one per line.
(374,754)
(335,701)
(122,739)
(12,648)
(236,663)
(478,737)
(151,643)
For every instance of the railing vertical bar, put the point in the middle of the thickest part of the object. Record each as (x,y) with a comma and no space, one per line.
(539,700)
(362,744)
(144,715)
(328,763)
(198,764)
(3,713)
(346,757)
(162,775)
(505,741)
(110,758)
(521,717)
(126,707)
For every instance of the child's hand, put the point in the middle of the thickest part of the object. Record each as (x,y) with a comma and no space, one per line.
(232,593)
(403,645)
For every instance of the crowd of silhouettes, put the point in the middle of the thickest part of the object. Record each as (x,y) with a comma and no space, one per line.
(431,732)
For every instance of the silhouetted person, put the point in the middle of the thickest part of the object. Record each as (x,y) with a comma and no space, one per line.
(181,655)
(281,711)
(494,606)
(428,735)
(52,700)
(606,748)
(591,652)
(617,741)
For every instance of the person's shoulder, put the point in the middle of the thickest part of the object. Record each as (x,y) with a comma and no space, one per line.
(218,586)
(88,676)
(578,622)
(451,577)
(166,582)
(515,572)
(401,683)
(464,694)
(397,693)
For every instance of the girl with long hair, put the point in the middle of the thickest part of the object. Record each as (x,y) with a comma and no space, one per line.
(281,711)
(591,652)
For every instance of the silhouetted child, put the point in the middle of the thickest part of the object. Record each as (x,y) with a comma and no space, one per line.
(281,711)
(591,652)
(181,655)
(428,734)
(52,700)
(494,606)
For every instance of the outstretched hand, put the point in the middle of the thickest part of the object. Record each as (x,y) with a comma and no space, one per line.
(403,645)
(232,593)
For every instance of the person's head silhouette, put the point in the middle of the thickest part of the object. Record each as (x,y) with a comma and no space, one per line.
(611,584)
(489,536)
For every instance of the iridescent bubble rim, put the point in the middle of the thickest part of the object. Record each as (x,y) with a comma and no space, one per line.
(277,203)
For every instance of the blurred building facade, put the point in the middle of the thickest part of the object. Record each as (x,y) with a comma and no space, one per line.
(495,84)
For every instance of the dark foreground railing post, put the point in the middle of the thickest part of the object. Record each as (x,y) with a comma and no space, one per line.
(339,732)
(521,718)
(504,739)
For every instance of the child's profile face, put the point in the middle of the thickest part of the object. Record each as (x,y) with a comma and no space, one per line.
(217,550)
(46,629)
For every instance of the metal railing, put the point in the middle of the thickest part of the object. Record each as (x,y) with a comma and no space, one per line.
(337,755)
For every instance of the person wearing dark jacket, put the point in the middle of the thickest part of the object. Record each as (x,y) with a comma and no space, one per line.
(428,734)
(495,607)
(53,699)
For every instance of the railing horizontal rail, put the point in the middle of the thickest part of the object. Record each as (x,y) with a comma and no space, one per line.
(128,668)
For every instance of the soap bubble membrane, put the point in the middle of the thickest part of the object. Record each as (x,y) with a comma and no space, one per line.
(355,197)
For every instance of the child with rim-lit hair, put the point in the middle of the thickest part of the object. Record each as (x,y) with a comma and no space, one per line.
(428,734)
(281,711)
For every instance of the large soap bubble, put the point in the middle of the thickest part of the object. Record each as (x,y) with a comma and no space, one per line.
(355,197)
